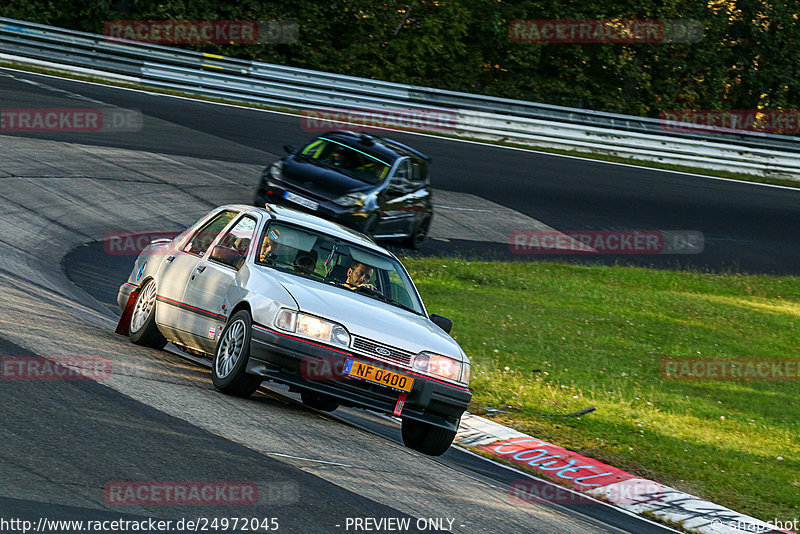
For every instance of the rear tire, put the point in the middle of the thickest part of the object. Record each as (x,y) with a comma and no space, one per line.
(143,330)
(229,365)
(319,402)
(426,438)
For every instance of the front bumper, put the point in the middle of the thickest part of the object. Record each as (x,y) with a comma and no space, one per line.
(348,216)
(123,294)
(314,367)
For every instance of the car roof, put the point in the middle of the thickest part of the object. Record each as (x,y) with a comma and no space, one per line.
(284,214)
(382,148)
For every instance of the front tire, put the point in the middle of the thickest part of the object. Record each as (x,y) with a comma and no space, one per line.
(419,234)
(143,329)
(426,438)
(228,367)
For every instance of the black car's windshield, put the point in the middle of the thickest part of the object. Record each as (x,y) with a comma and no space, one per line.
(349,161)
(307,253)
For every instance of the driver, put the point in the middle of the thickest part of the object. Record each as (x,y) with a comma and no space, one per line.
(358,275)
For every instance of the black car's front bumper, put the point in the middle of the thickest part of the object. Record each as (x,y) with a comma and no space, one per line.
(352,217)
(288,359)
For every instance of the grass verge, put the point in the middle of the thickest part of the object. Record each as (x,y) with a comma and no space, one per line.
(551,338)
(575,153)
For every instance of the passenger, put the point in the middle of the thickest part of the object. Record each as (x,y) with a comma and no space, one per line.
(306,262)
(266,249)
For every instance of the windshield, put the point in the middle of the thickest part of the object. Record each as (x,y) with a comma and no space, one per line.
(347,160)
(330,260)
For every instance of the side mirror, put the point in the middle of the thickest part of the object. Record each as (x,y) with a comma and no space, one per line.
(442,322)
(228,256)
(289,149)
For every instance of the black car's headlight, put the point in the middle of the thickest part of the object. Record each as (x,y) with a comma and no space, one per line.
(313,327)
(276,170)
(352,200)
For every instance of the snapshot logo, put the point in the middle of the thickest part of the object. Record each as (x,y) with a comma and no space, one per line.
(781,121)
(730,369)
(633,491)
(80,120)
(605,242)
(363,120)
(630,31)
(54,368)
(227,32)
(180,493)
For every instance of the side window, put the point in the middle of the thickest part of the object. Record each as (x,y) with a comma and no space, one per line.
(402,175)
(240,236)
(200,241)
(419,171)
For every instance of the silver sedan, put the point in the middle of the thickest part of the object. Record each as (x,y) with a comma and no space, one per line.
(275,294)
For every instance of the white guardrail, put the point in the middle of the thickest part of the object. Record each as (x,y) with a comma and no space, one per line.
(472,116)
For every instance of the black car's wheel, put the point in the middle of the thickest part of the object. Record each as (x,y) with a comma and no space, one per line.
(419,233)
(319,402)
(427,439)
(228,368)
(143,329)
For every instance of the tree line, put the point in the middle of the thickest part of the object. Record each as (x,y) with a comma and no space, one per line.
(744,59)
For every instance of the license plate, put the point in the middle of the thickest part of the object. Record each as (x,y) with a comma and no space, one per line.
(376,375)
(303,201)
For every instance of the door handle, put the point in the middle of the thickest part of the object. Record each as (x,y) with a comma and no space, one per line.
(201,268)
(170,259)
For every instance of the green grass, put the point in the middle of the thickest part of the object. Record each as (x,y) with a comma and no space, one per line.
(774,180)
(550,338)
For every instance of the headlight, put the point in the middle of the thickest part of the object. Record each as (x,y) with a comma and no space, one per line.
(438,365)
(352,200)
(276,171)
(313,327)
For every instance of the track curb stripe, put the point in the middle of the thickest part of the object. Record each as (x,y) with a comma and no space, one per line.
(597,479)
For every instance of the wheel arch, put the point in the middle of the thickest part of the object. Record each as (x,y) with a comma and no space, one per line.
(243,305)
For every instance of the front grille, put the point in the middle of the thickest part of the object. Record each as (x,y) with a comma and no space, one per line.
(395,355)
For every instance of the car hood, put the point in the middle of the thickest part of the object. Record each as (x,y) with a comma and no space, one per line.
(370,318)
(308,175)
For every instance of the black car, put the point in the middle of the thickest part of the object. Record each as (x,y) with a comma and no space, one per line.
(372,184)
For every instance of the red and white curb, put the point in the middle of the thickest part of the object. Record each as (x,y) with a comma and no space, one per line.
(596,479)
